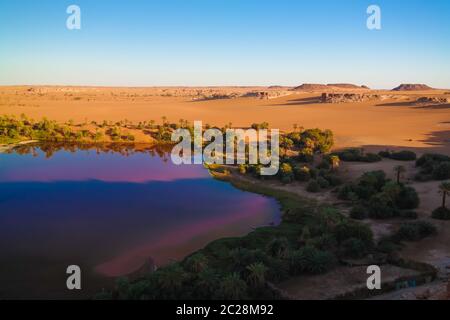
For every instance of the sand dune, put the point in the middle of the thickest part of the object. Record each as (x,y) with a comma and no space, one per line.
(394,121)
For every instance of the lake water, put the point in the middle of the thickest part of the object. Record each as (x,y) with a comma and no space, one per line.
(108,212)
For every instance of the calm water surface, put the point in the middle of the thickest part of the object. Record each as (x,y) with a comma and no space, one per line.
(108,212)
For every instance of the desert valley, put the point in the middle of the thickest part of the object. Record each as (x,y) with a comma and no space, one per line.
(386,141)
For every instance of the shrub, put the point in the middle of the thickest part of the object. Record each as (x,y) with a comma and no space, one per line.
(359,212)
(408,214)
(384,154)
(442,171)
(414,231)
(430,158)
(436,166)
(278,269)
(323,183)
(354,154)
(348,192)
(407,198)
(324,164)
(347,230)
(375,179)
(381,206)
(278,247)
(313,186)
(353,248)
(441,213)
(305,156)
(310,260)
(404,155)
(371,157)
(302,174)
(333,180)
(313,173)
(326,241)
(286,169)
(350,154)
(387,245)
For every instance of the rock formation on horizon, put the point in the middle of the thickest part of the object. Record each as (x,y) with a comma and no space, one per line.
(311,86)
(319,86)
(412,87)
(347,86)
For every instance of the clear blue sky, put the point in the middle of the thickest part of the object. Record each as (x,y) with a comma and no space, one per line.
(224,42)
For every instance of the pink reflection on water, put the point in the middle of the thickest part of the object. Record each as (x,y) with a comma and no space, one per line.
(138,168)
(185,239)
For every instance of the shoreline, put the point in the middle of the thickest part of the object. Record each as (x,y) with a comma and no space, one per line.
(428,274)
(8,147)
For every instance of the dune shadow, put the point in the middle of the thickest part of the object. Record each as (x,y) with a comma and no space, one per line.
(435,106)
(301,101)
(412,104)
(435,142)
(397,104)
(440,139)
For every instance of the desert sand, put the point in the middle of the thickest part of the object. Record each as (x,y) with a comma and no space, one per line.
(392,118)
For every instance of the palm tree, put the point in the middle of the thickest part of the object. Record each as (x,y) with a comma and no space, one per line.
(257,274)
(278,247)
(305,235)
(335,161)
(399,170)
(171,278)
(444,188)
(233,287)
(207,283)
(197,263)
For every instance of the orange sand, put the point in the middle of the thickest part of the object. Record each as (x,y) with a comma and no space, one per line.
(390,122)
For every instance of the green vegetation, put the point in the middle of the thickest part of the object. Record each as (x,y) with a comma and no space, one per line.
(299,150)
(414,231)
(359,212)
(443,213)
(379,198)
(355,154)
(399,170)
(313,186)
(404,155)
(433,166)
(14,130)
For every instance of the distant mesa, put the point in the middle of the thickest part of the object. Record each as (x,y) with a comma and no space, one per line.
(311,86)
(412,87)
(318,86)
(346,86)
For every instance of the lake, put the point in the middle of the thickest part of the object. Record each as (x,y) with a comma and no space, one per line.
(109,212)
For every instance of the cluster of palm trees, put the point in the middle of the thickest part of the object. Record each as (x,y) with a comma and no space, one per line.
(444,187)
